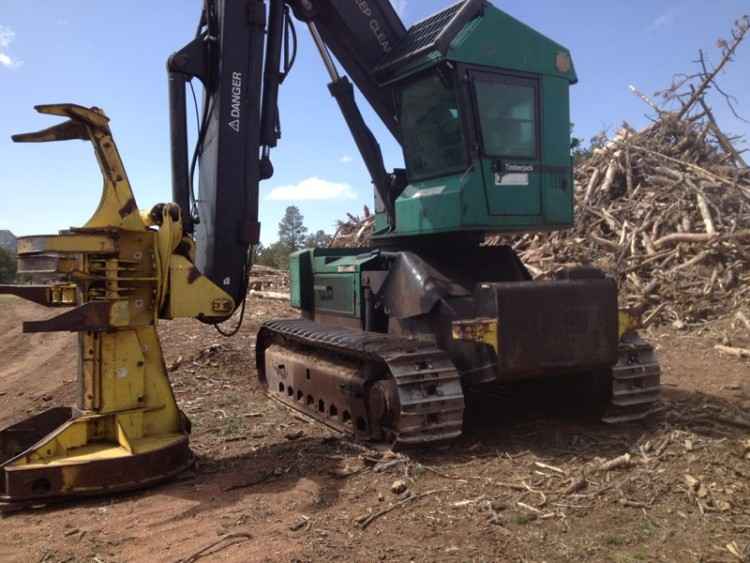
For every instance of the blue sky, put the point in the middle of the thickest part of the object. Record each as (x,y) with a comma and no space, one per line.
(112,55)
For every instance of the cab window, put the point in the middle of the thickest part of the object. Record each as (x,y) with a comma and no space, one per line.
(507,111)
(431,128)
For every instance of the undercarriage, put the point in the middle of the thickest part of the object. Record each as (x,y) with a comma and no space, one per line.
(401,372)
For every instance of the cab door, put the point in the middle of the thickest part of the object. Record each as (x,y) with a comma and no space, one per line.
(508,122)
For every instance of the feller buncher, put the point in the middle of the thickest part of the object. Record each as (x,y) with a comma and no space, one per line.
(389,338)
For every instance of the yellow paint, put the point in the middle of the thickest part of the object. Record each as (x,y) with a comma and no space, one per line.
(95,452)
(122,436)
(67,243)
(161,415)
(477,330)
(628,321)
(192,294)
(124,257)
(123,372)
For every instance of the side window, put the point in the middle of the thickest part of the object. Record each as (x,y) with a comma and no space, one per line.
(431,127)
(507,109)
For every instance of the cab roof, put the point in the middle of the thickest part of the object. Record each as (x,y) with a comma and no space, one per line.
(476,32)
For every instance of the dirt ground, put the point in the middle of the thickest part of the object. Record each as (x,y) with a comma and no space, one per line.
(525,483)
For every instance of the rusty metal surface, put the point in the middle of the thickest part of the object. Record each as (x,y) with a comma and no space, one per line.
(48,264)
(330,389)
(365,345)
(21,436)
(108,476)
(413,287)
(61,295)
(423,402)
(552,327)
(128,207)
(431,400)
(89,317)
(35,293)
(73,242)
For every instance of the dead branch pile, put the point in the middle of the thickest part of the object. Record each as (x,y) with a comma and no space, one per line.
(666,209)
(355,232)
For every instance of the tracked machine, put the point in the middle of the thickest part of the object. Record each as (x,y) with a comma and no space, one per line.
(391,338)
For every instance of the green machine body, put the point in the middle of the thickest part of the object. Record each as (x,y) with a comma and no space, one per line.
(485,128)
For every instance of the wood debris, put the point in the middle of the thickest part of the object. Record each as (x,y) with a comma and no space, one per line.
(275,295)
(367,519)
(355,231)
(737,352)
(616,463)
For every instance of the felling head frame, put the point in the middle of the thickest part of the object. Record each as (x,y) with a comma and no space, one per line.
(120,272)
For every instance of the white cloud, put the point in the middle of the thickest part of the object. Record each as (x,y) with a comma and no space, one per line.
(400,6)
(312,189)
(7,35)
(664,20)
(346,159)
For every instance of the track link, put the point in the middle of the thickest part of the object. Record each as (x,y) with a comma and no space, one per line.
(377,387)
(636,382)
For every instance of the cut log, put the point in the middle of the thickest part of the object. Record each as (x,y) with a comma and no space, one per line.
(269,295)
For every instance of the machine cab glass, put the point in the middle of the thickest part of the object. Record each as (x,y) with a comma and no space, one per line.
(498,116)
(434,141)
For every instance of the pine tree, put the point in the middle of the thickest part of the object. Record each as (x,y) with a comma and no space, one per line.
(292,230)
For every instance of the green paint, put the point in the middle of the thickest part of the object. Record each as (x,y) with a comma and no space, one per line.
(333,279)
(523,104)
(505,61)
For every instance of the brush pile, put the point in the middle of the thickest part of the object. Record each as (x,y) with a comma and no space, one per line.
(355,232)
(666,210)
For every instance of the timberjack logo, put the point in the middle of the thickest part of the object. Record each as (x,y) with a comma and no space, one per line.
(236,112)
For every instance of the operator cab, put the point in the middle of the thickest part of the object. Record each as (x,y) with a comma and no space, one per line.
(484,125)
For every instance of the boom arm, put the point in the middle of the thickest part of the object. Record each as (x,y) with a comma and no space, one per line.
(360,34)
(237,55)
(227,57)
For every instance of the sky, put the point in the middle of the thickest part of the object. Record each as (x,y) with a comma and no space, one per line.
(112,55)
